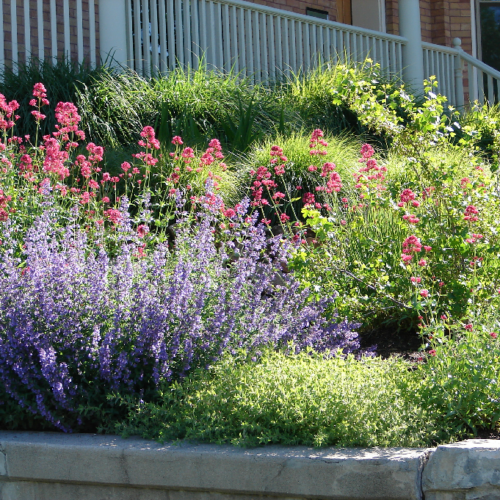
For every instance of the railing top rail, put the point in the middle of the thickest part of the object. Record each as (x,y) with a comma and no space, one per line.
(439,48)
(479,64)
(314,20)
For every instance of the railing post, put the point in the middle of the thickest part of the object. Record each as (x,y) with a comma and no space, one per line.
(459,75)
(413,58)
(112,30)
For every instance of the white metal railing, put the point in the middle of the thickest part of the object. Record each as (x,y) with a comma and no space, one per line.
(258,41)
(449,64)
(67,27)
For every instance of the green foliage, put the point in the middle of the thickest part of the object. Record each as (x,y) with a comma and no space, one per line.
(301,399)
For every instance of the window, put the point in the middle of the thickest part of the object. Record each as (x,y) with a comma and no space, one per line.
(489,39)
(322,14)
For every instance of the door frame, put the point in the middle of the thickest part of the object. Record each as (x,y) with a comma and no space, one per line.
(344,11)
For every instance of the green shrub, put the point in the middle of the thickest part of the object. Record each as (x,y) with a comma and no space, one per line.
(301,399)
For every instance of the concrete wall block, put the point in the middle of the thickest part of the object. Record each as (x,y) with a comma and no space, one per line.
(468,470)
(109,461)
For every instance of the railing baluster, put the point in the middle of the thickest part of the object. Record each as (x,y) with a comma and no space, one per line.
(234,39)
(53,28)
(242,57)
(129,28)
(256,46)
(218,35)
(188,51)
(272,49)
(212,47)
(292,29)
(226,36)
(171,30)
(279,48)
(39,22)
(263,46)
(179,31)
(491,90)
(287,63)
(394,67)
(137,36)
(79,29)
(155,60)
(328,41)
(27,29)
(195,33)
(300,45)
(249,44)
(307,47)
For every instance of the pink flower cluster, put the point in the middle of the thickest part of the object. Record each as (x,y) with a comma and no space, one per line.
(7,110)
(371,175)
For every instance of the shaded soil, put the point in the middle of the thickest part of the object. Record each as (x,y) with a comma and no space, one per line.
(390,343)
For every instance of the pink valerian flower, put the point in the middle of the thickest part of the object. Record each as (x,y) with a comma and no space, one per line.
(187,154)
(468,327)
(284,218)
(229,213)
(177,141)
(7,111)
(96,152)
(312,168)
(415,279)
(215,144)
(40,92)
(55,158)
(427,248)
(406,258)
(464,182)
(407,196)
(411,245)
(308,199)
(267,222)
(411,219)
(334,183)
(474,238)
(327,168)
(151,142)
(38,116)
(67,117)
(424,293)
(493,335)
(278,195)
(142,230)
(279,169)
(432,352)
(317,141)
(113,215)
(367,151)
(470,213)
(422,262)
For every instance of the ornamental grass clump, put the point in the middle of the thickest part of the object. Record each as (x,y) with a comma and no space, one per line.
(77,324)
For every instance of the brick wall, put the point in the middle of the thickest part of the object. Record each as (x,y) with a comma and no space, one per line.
(46,26)
(442,21)
(300,6)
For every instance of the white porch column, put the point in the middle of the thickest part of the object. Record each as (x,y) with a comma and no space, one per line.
(413,58)
(113,30)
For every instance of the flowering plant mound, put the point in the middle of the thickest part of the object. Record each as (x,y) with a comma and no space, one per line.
(74,321)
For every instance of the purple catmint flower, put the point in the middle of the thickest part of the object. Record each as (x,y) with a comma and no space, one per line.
(74,319)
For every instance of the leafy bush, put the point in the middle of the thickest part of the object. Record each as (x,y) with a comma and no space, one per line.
(304,399)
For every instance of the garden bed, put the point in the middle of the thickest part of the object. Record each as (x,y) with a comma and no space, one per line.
(252,290)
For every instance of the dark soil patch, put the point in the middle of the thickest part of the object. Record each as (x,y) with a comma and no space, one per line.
(390,343)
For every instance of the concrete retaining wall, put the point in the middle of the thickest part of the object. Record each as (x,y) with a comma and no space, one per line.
(50,466)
